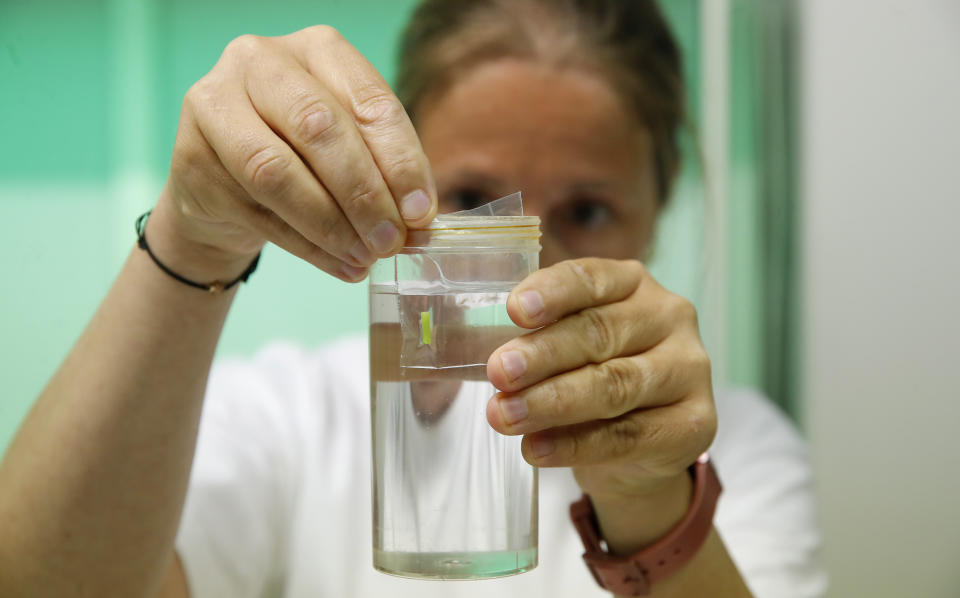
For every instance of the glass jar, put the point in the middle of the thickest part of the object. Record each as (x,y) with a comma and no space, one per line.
(452,498)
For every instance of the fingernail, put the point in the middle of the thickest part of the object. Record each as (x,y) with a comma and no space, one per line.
(541,446)
(361,254)
(384,237)
(514,364)
(513,409)
(415,205)
(532,303)
(352,272)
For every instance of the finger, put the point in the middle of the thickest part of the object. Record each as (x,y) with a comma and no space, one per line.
(380,118)
(592,335)
(606,390)
(272,228)
(227,203)
(661,441)
(311,119)
(568,287)
(271,173)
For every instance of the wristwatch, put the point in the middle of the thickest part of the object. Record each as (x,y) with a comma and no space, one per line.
(633,575)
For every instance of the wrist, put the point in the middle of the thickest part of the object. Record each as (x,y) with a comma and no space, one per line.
(666,559)
(180,245)
(632,521)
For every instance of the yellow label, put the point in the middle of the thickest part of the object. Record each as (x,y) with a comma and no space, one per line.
(425,327)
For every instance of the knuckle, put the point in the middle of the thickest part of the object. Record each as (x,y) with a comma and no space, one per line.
(362,194)
(622,437)
(659,437)
(637,266)
(575,447)
(313,121)
(682,309)
(323,33)
(266,169)
(316,255)
(699,361)
(245,46)
(600,334)
(328,229)
(539,346)
(703,423)
(553,394)
(682,439)
(586,272)
(202,95)
(617,379)
(195,94)
(375,106)
(404,165)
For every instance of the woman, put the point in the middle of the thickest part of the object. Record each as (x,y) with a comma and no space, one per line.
(297,140)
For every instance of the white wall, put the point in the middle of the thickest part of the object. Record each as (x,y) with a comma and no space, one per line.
(881,104)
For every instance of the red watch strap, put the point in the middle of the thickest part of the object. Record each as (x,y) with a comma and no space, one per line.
(633,575)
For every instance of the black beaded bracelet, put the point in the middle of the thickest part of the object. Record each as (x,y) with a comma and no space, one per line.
(214,288)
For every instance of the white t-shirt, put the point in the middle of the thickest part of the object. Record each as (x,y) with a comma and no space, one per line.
(279,501)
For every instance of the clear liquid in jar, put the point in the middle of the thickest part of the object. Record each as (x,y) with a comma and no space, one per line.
(453,499)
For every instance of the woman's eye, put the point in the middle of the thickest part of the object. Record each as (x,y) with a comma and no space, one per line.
(589,215)
(464,199)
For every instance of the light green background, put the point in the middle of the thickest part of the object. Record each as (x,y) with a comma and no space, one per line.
(89,101)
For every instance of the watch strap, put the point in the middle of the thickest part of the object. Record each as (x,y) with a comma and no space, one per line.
(633,575)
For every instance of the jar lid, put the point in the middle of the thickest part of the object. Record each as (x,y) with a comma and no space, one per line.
(478,233)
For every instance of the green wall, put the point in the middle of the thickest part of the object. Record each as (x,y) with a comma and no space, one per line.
(89,99)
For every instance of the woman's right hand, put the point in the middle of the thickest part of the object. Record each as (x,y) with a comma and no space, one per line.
(299,141)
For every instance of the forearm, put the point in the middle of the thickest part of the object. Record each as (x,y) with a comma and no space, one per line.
(92,487)
(630,525)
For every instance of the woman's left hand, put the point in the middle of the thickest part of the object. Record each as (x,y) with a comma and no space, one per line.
(615,383)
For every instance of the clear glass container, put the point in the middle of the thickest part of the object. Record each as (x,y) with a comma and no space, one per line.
(452,498)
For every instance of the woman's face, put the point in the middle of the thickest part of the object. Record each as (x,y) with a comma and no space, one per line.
(563,138)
